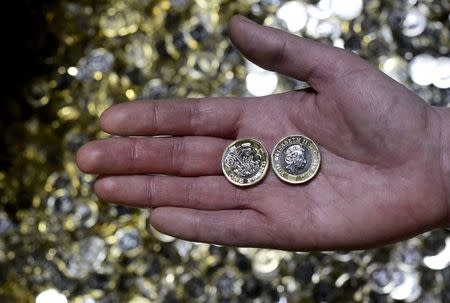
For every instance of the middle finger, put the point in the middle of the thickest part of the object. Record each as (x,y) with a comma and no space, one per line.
(181,156)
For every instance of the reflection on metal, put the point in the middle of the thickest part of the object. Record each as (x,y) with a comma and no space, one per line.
(440,260)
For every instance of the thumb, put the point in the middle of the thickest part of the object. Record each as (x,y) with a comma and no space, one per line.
(288,54)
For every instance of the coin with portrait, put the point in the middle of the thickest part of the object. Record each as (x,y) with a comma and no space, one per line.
(296,159)
(245,162)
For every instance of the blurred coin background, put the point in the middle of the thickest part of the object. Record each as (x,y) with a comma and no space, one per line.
(64,62)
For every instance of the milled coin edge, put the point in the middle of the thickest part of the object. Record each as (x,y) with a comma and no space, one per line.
(264,173)
(272,160)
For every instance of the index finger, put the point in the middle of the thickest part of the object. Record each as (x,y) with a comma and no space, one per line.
(217,117)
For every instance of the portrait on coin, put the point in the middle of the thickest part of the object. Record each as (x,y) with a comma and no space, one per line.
(295,158)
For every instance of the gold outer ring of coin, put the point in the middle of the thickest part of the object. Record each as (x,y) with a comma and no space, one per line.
(293,179)
(266,158)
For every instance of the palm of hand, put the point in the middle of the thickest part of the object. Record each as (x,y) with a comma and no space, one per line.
(374,135)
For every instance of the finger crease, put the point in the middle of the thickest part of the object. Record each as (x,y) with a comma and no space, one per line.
(193,116)
(134,153)
(190,194)
(239,120)
(177,155)
(149,192)
(241,198)
(197,227)
(280,54)
(156,117)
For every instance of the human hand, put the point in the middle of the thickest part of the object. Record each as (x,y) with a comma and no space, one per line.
(383,174)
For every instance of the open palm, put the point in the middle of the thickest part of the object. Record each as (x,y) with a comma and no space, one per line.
(379,180)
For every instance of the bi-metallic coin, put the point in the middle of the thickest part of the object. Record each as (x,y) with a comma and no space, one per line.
(296,159)
(245,162)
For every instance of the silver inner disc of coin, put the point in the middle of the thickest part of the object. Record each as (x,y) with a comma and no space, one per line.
(243,160)
(295,159)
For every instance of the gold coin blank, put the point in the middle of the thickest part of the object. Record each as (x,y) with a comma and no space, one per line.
(259,149)
(306,144)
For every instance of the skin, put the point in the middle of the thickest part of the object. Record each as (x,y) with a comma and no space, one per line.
(385,155)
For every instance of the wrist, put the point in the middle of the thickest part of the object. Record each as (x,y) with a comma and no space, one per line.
(445,154)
